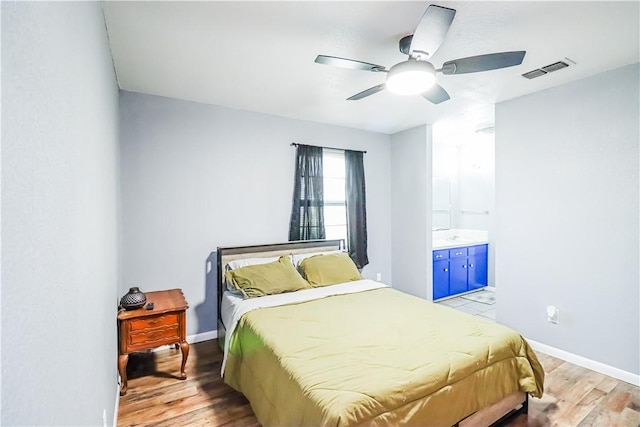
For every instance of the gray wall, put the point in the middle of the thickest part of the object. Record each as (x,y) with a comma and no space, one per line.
(59,215)
(412,201)
(196,176)
(567,190)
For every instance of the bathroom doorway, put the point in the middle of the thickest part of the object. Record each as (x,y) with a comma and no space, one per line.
(464,194)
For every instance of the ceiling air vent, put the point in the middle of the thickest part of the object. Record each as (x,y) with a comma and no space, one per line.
(555,67)
(533,74)
(545,70)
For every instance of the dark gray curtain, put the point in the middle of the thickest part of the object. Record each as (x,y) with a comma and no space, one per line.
(307,214)
(356,207)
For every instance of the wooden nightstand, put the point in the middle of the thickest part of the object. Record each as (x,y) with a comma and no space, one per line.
(143,329)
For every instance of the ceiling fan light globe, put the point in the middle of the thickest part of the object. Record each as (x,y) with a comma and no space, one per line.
(410,77)
(411,83)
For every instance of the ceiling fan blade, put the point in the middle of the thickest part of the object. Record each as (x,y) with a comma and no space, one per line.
(351,64)
(366,93)
(431,31)
(491,61)
(436,94)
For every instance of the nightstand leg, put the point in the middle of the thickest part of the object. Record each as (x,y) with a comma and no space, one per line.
(122,369)
(184,347)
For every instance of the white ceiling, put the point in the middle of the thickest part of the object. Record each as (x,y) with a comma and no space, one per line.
(259,56)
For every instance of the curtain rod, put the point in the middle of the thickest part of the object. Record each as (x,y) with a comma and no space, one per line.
(295,144)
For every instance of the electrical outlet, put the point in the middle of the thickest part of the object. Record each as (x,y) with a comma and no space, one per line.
(379,277)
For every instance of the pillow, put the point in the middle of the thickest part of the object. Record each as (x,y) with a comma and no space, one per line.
(267,279)
(325,270)
(239,263)
(298,258)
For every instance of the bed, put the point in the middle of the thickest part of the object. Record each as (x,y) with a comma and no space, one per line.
(361,353)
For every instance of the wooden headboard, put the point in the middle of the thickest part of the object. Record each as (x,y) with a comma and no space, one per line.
(227,254)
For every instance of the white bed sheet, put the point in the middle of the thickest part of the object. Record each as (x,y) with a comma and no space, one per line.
(233,306)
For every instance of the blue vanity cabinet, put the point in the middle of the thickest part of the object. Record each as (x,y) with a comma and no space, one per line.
(440,274)
(478,267)
(459,270)
(458,276)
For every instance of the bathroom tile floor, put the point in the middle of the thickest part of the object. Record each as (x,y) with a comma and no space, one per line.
(487,311)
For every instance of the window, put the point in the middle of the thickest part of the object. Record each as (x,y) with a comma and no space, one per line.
(329,200)
(335,210)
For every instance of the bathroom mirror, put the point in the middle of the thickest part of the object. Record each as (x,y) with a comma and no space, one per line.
(464,183)
(441,203)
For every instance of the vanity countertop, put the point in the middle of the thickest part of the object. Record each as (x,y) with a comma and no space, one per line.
(457,243)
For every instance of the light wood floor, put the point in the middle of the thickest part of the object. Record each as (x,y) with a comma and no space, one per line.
(574,396)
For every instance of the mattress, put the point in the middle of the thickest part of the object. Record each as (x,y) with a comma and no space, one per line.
(376,357)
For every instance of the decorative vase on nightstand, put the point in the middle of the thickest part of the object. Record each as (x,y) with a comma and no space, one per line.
(133,299)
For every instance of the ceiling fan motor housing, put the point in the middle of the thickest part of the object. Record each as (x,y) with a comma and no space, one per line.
(405,44)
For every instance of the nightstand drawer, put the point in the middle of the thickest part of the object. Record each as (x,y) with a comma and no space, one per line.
(146,338)
(153,322)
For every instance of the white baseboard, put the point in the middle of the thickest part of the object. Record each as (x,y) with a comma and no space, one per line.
(204,336)
(117,405)
(611,371)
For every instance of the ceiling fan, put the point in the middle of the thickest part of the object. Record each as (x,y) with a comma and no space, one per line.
(417,75)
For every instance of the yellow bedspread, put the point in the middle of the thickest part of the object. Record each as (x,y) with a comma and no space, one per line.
(378,357)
